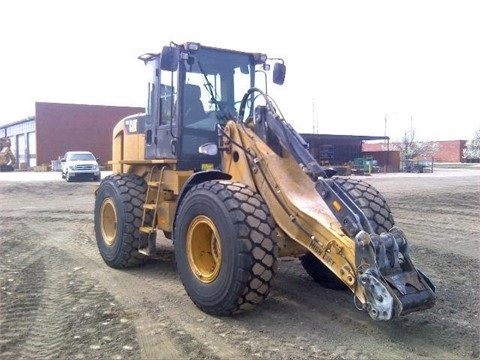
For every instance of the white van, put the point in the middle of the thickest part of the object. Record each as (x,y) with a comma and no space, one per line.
(77,165)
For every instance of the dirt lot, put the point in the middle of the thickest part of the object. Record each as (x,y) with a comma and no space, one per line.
(58,299)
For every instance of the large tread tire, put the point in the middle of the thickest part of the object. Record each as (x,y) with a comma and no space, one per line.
(6,168)
(320,273)
(370,201)
(377,211)
(225,247)
(118,217)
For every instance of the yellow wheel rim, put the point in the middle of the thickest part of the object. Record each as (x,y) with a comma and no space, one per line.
(204,250)
(108,221)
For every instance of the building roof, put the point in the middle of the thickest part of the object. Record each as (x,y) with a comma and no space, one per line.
(345,137)
(17,122)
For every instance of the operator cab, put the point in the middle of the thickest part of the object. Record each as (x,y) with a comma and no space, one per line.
(195,89)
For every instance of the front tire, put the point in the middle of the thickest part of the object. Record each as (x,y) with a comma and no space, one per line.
(118,217)
(378,213)
(224,247)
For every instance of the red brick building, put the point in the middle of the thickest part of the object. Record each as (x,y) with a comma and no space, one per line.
(64,127)
(450,151)
(447,151)
(57,128)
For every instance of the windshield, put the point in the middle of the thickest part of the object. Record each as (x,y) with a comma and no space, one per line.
(215,81)
(81,157)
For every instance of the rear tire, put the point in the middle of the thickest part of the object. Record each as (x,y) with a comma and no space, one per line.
(118,217)
(370,201)
(224,247)
(377,211)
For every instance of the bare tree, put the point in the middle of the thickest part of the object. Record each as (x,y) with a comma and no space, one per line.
(411,149)
(472,148)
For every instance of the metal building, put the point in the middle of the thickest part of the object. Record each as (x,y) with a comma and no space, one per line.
(23,140)
(341,150)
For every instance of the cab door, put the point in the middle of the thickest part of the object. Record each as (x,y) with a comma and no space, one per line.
(160,122)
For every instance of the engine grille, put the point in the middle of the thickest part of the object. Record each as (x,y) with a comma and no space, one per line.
(84,167)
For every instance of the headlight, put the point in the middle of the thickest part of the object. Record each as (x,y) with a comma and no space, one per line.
(72,167)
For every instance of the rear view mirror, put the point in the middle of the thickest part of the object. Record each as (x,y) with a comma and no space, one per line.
(279,71)
(208,149)
(169,58)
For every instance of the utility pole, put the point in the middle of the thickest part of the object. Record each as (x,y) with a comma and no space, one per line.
(314,118)
(385,129)
(386,145)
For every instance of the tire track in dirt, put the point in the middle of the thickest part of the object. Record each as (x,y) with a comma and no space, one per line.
(164,330)
(168,324)
(47,305)
(79,238)
(429,333)
(19,301)
(152,342)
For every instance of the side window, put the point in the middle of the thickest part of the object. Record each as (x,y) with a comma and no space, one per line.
(167,103)
(243,82)
(168,97)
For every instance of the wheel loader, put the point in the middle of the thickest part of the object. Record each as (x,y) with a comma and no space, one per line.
(7,159)
(213,166)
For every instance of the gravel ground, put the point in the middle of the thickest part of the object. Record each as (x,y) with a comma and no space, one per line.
(58,299)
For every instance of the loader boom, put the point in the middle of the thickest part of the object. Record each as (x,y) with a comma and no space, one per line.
(314,211)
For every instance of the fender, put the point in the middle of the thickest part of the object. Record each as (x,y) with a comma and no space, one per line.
(195,179)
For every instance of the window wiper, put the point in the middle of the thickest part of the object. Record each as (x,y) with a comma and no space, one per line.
(219,105)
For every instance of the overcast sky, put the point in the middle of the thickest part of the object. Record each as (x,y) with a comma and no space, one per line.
(353,67)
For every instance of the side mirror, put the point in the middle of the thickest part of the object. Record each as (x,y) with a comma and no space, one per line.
(63,160)
(169,58)
(279,71)
(208,149)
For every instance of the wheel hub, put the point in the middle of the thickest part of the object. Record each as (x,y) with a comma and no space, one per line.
(204,250)
(108,221)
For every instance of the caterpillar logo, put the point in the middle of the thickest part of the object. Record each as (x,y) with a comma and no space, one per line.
(131,126)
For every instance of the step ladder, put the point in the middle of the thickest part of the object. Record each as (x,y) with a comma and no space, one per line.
(149,217)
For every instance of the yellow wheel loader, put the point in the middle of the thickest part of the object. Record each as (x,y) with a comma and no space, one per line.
(7,159)
(213,166)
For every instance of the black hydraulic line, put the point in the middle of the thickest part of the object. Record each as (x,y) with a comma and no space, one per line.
(279,200)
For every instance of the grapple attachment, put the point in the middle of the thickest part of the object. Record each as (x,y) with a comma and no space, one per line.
(392,285)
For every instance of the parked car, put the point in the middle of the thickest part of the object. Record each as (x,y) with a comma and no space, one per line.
(80,165)
(414,167)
